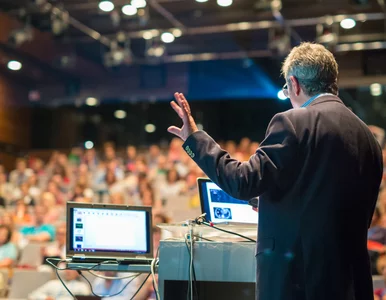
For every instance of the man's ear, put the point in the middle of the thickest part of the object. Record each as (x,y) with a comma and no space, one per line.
(295,85)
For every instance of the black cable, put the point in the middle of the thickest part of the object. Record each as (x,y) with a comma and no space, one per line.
(194,273)
(107,296)
(201,220)
(200,237)
(143,283)
(65,286)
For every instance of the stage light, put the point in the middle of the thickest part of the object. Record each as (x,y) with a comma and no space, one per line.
(89,145)
(224,3)
(147,35)
(201,1)
(347,23)
(376,89)
(167,37)
(106,6)
(129,10)
(91,101)
(14,65)
(281,96)
(138,3)
(150,128)
(120,114)
(177,32)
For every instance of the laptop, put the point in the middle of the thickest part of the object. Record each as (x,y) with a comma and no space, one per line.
(221,208)
(105,232)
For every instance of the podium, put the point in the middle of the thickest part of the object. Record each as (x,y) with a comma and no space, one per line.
(224,270)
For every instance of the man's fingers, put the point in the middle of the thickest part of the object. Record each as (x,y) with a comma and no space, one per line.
(178,99)
(175,130)
(185,103)
(177,109)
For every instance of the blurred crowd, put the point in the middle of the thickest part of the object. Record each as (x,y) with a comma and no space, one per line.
(34,194)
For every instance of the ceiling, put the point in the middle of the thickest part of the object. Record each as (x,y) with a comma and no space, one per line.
(261,31)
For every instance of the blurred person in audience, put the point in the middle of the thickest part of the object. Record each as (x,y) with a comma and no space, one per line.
(6,190)
(7,219)
(75,156)
(58,247)
(54,289)
(376,232)
(40,231)
(131,156)
(22,214)
(83,175)
(34,188)
(174,152)
(23,193)
(117,199)
(20,174)
(153,155)
(173,186)
(105,287)
(78,191)
(253,147)
(231,147)
(380,294)
(52,215)
(109,152)
(243,148)
(381,202)
(8,251)
(90,159)
(54,189)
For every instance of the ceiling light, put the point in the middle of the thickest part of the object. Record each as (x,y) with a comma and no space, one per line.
(89,145)
(138,3)
(201,1)
(177,32)
(14,65)
(106,6)
(147,35)
(150,128)
(91,101)
(376,89)
(167,37)
(224,3)
(129,10)
(281,96)
(120,114)
(347,23)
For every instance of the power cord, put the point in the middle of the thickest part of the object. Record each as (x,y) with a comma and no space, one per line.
(143,283)
(194,272)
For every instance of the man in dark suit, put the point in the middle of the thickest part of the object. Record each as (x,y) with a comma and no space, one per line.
(317,173)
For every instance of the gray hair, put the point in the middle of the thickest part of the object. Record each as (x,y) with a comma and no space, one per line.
(314,67)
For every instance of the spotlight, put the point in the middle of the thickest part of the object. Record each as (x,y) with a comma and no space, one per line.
(376,89)
(138,3)
(167,37)
(91,101)
(14,65)
(106,6)
(347,23)
(281,96)
(150,128)
(89,145)
(177,32)
(156,50)
(120,114)
(129,10)
(224,3)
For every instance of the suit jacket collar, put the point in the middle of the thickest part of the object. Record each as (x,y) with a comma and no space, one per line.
(326,98)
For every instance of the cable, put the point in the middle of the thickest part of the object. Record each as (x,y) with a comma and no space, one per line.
(155,285)
(143,283)
(106,296)
(191,262)
(194,272)
(57,269)
(201,220)
(200,237)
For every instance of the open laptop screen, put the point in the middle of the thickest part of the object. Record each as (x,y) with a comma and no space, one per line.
(111,230)
(220,207)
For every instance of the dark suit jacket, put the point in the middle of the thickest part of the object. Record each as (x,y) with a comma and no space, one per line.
(317,173)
